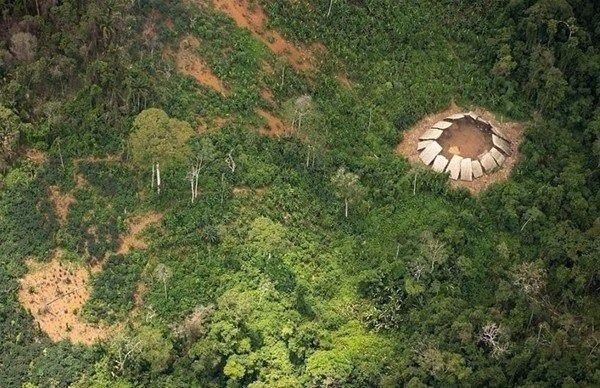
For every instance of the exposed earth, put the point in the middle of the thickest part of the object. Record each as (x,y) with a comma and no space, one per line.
(188,62)
(253,17)
(464,138)
(55,292)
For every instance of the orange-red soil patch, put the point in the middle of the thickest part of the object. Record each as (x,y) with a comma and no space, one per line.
(61,202)
(138,299)
(214,125)
(55,292)
(344,81)
(275,127)
(132,240)
(36,156)
(188,62)
(267,95)
(221,121)
(250,15)
(514,131)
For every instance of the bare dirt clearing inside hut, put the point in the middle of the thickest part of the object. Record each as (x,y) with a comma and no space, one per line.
(464,138)
(250,15)
(55,292)
(514,131)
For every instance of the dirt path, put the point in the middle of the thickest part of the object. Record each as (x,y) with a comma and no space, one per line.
(61,202)
(514,131)
(267,95)
(250,15)
(132,239)
(55,292)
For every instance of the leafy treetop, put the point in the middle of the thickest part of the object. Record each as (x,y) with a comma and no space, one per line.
(158,138)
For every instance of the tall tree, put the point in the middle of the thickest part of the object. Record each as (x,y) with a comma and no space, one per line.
(163,273)
(23,46)
(204,153)
(307,121)
(158,140)
(348,187)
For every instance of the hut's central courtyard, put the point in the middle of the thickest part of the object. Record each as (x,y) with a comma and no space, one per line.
(464,138)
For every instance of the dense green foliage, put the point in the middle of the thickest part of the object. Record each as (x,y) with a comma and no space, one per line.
(11,129)
(265,280)
(95,220)
(114,288)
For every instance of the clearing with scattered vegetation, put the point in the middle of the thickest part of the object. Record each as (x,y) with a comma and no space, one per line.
(55,293)
(249,14)
(188,62)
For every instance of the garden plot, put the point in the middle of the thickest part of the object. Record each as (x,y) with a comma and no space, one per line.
(55,292)
(274,127)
